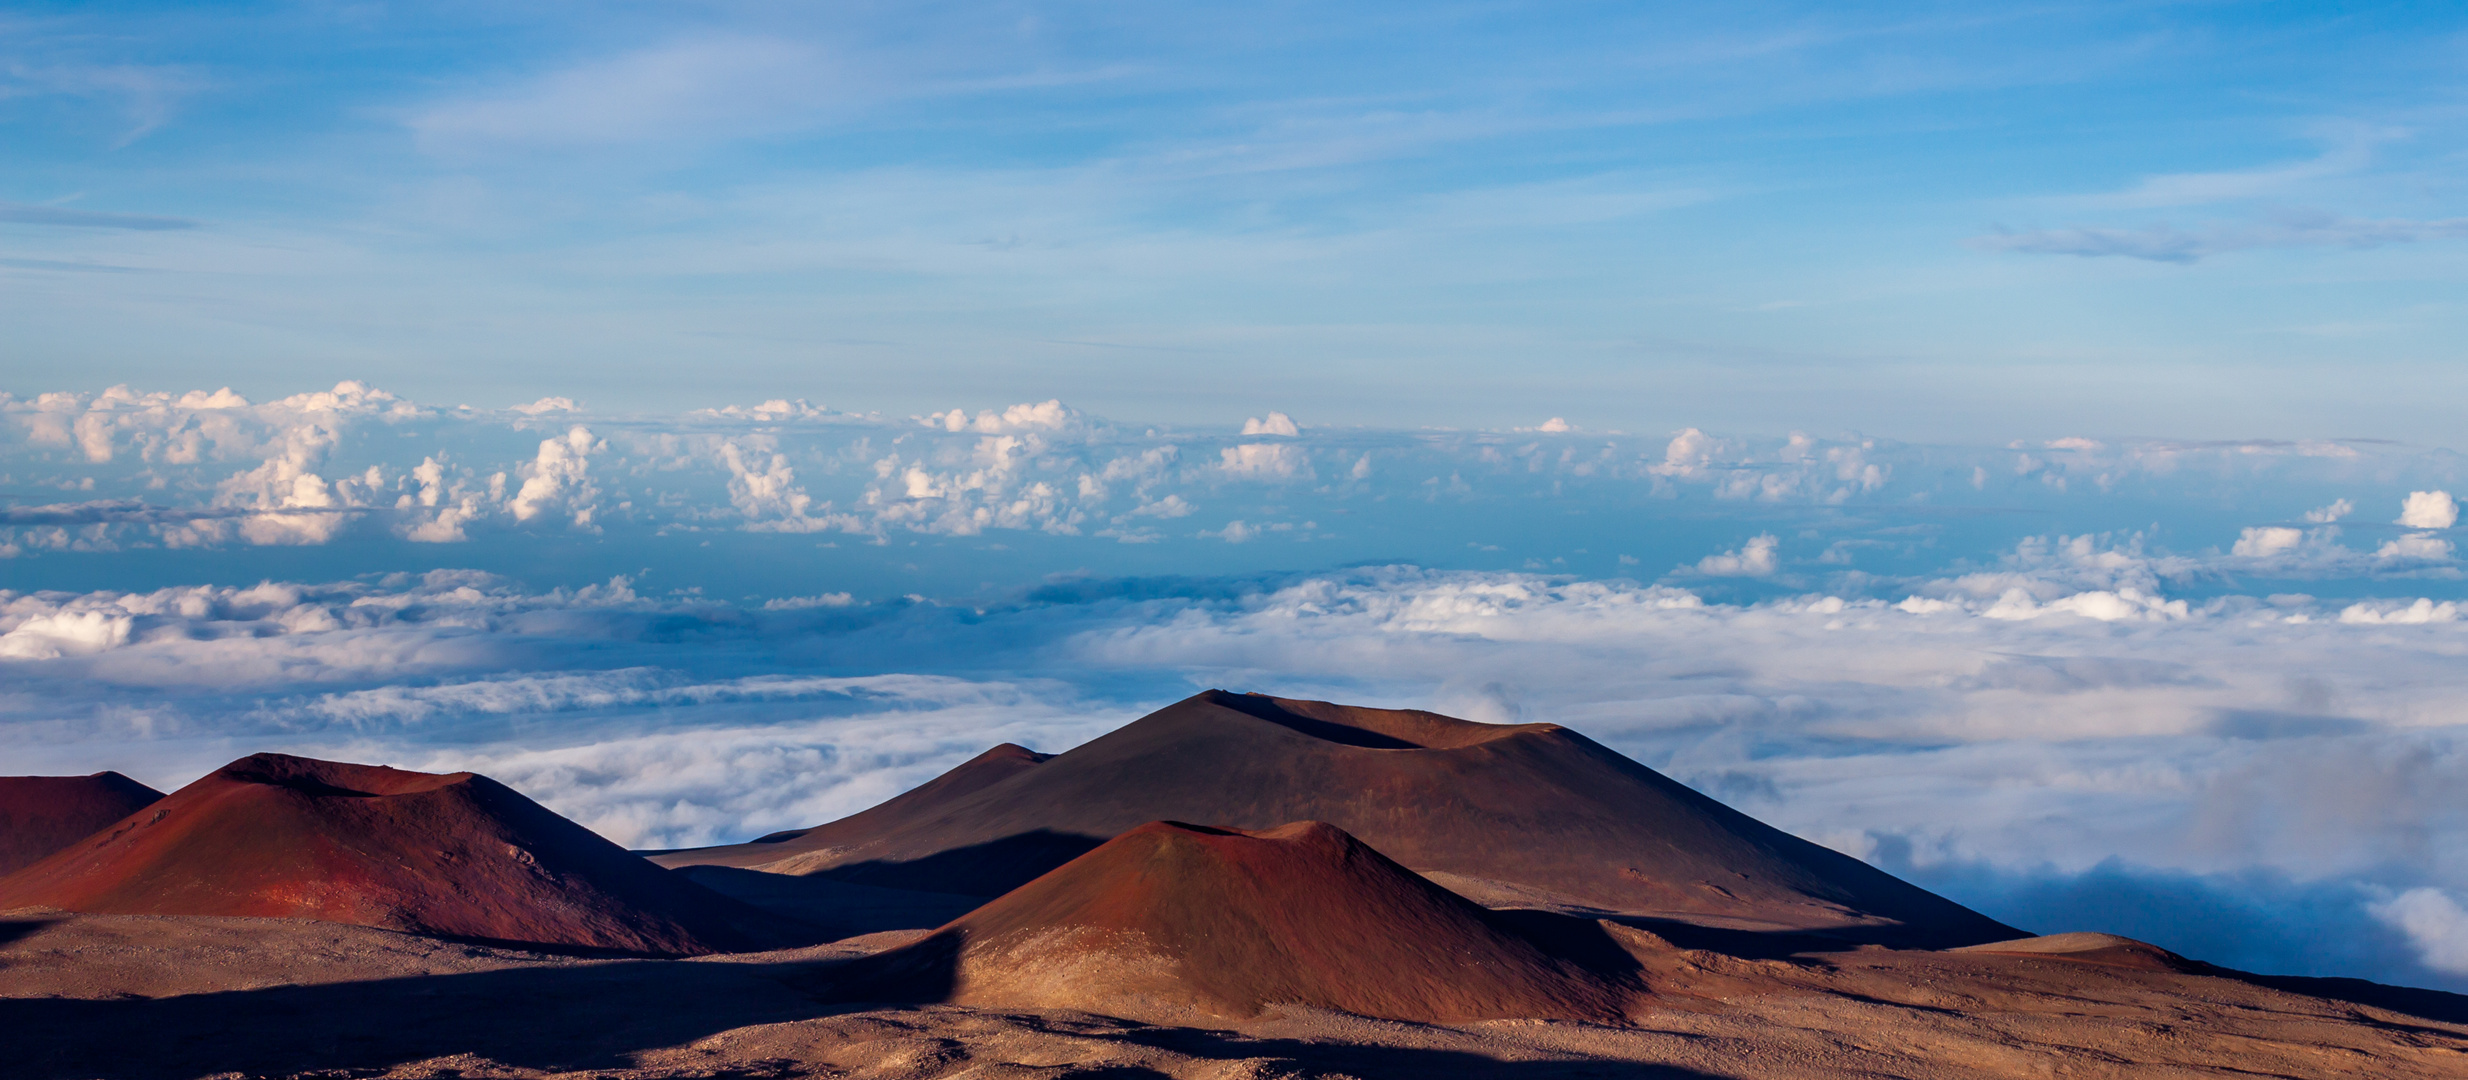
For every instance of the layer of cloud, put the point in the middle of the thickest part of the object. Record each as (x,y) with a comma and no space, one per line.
(150,471)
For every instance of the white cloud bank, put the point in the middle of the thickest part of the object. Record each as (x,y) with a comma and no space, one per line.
(140,471)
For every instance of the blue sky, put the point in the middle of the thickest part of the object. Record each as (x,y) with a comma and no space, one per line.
(2199,220)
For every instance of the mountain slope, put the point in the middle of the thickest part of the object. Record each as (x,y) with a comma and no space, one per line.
(1535,807)
(1228,922)
(42,814)
(457,855)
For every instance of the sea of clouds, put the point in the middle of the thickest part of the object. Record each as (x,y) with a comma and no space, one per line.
(2206,694)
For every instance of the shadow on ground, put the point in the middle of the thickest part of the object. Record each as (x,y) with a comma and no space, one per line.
(572,1017)
(559,1017)
(13,929)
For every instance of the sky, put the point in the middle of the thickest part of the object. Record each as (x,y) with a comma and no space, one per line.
(2201,220)
(2017,447)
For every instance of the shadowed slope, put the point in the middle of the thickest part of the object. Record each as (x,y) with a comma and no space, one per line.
(1170,916)
(1534,806)
(458,855)
(42,814)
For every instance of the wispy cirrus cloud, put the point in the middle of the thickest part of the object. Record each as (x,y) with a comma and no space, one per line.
(726,86)
(145,96)
(27,214)
(2170,244)
(2350,153)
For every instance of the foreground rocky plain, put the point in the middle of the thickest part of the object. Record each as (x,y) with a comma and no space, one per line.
(1235,886)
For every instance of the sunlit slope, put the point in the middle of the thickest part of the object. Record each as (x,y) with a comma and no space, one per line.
(454,854)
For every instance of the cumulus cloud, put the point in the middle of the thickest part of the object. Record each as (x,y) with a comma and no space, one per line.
(2338,509)
(559,478)
(2415,547)
(1265,461)
(2428,510)
(50,636)
(1277,424)
(1045,417)
(764,488)
(774,410)
(2421,611)
(1753,559)
(2266,541)
(1235,532)
(1687,454)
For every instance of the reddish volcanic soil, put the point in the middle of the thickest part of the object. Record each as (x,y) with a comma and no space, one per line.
(42,814)
(455,855)
(1534,811)
(1171,916)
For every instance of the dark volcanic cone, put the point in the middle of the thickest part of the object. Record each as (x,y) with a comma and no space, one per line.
(456,855)
(1172,916)
(42,814)
(1535,807)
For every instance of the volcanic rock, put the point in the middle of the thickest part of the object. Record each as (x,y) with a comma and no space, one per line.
(42,814)
(455,855)
(1170,916)
(1533,811)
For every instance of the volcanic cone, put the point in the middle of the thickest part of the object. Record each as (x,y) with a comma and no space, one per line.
(42,814)
(1540,809)
(1173,916)
(456,855)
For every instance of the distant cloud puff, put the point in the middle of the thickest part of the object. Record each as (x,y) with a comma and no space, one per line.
(2429,510)
(2267,541)
(1277,424)
(1753,559)
(1235,532)
(1265,461)
(2416,546)
(561,477)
